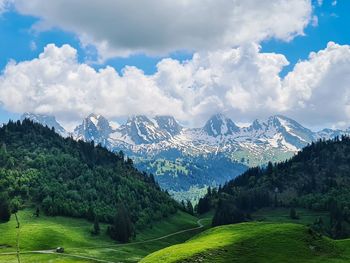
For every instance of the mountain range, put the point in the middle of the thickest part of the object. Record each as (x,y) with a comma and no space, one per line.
(183,158)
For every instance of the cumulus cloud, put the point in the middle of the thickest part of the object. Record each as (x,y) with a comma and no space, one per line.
(242,82)
(234,81)
(318,90)
(55,83)
(121,28)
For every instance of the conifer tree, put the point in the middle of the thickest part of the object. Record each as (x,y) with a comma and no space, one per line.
(96,227)
(189,207)
(122,228)
(5,211)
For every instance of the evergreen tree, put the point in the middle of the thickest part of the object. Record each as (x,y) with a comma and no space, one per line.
(203,205)
(90,214)
(227,213)
(5,211)
(96,227)
(293,213)
(37,212)
(318,226)
(15,204)
(122,228)
(189,207)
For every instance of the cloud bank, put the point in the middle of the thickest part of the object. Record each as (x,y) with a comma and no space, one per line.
(242,82)
(153,27)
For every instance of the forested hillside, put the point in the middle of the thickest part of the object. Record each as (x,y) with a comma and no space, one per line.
(180,174)
(61,176)
(317,178)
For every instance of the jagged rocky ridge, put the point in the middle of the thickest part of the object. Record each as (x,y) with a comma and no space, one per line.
(178,155)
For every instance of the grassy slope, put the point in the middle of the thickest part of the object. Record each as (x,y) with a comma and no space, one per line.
(74,235)
(255,242)
(279,215)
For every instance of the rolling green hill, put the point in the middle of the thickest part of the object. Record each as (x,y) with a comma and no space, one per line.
(256,242)
(45,233)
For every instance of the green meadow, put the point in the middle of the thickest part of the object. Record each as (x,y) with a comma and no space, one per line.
(272,237)
(256,242)
(44,234)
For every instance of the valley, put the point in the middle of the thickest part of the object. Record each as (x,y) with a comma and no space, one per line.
(175,131)
(183,159)
(56,188)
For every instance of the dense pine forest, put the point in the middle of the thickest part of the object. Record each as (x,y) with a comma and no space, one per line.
(317,178)
(61,176)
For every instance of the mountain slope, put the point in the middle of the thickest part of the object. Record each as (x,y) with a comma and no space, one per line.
(75,178)
(181,174)
(220,125)
(316,178)
(254,242)
(45,120)
(94,128)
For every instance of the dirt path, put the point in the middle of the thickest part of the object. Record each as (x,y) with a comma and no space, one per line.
(200,225)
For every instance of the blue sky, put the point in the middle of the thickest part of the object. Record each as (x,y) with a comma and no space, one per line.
(20,42)
(17,39)
(333,25)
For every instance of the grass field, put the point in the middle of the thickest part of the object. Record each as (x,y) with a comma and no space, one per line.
(267,241)
(256,242)
(45,233)
(281,215)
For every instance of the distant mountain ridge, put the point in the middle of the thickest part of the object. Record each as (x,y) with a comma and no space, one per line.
(140,130)
(45,120)
(163,138)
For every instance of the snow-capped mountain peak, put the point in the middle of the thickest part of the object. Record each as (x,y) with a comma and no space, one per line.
(256,127)
(94,128)
(46,120)
(140,129)
(168,124)
(293,133)
(274,139)
(330,133)
(220,125)
(94,118)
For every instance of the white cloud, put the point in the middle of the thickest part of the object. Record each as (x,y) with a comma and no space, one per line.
(4,5)
(121,28)
(241,82)
(318,90)
(55,83)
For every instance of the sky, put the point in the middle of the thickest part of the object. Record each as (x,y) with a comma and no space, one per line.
(191,59)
